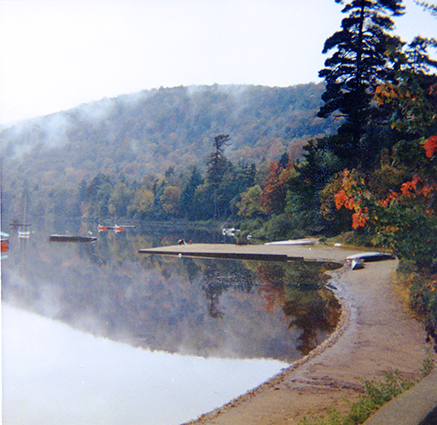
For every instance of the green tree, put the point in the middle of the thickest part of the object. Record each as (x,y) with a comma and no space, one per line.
(359,64)
(142,204)
(187,203)
(170,200)
(217,167)
(249,205)
(119,201)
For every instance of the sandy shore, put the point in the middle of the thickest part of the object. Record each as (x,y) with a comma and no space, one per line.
(375,334)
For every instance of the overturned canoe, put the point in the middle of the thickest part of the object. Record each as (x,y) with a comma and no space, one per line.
(371,256)
(303,241)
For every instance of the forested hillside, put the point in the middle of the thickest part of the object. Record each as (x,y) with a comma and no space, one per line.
(149,134)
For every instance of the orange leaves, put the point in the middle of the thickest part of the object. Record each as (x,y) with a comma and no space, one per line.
(340,199)
(411,186)
(352,201)
(273,197)
(416,196)
(386,202)
(431,146)
(385,93)
(360,218)
(417,187)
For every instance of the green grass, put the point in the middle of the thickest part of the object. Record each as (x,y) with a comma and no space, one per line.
(375,395)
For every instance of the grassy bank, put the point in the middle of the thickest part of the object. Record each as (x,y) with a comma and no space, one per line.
(419,289)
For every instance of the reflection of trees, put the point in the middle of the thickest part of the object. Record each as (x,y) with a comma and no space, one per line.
(299,291)
(214,284)
(158,302)
(313,312)
(220,276)
(271,276)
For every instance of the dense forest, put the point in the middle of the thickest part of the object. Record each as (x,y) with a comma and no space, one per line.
(133,156)
(356,154)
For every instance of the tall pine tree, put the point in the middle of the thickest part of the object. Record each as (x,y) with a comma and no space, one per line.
(359,64)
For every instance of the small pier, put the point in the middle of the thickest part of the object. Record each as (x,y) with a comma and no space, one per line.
(229,252)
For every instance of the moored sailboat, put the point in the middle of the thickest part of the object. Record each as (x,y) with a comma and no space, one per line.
(23,230)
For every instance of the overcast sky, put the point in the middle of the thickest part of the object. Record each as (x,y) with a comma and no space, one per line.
(57,54)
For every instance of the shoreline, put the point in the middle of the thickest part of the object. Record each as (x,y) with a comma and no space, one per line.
(374,334)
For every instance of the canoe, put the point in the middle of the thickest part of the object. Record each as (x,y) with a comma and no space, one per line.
(304,241)
(371,256)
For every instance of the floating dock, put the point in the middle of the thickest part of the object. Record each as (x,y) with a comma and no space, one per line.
(72,238)
(229,252)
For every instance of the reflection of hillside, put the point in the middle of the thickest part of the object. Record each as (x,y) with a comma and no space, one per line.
(192,306)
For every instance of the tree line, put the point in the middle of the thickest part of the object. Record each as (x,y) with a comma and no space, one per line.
(374,174)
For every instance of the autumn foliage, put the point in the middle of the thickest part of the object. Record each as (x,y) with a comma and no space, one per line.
(405,218)
(431,146)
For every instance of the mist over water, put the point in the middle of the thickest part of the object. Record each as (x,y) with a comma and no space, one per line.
(97,333)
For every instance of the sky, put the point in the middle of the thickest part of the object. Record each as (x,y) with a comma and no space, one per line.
(58,54)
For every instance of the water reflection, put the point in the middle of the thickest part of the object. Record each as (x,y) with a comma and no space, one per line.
(203,307)
(53,374)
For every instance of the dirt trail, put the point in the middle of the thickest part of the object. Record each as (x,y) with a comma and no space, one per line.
(375,334)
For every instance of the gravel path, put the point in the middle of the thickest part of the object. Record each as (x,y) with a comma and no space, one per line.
(375,334)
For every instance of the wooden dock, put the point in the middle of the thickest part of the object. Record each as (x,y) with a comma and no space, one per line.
(229,252)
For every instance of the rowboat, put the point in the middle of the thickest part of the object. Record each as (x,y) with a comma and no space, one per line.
(4,238)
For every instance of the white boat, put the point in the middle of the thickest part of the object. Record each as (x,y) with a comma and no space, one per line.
(357,263)
(303,241)
(24,231)
(371,256)
(229,231)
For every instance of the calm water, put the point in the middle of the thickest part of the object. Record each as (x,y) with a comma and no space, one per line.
(97,333)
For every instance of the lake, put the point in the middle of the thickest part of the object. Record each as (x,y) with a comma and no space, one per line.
(97,333)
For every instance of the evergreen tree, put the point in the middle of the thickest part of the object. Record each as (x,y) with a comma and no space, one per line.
(218,166)
(188,205)
(359,64)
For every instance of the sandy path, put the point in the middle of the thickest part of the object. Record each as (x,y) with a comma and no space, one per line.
(375,334)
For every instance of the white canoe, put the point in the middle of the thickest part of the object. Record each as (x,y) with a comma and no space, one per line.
(371,256)
(304,241)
